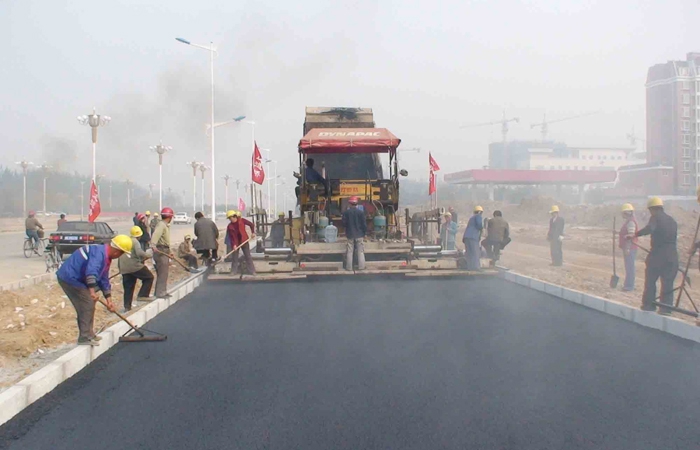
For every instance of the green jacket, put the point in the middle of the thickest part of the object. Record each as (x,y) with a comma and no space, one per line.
(138,256)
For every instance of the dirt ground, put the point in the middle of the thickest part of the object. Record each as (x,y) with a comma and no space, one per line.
(37,324)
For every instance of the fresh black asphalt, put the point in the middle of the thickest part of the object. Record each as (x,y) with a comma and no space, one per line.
(377,364)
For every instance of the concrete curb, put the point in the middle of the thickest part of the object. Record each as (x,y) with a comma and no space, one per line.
(31,281)
(670,325)
(44,380)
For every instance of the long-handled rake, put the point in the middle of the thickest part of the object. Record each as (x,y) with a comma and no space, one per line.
(141,336)
(181,264)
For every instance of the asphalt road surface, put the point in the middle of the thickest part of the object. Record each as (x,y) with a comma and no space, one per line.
(382,364)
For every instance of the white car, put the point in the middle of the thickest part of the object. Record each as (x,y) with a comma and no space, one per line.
(182,218)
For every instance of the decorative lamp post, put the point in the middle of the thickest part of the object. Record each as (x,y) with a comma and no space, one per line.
(203,168)
(226,178)
(161,150)
(45,168)
(194,165)
(24,165)
(94,120)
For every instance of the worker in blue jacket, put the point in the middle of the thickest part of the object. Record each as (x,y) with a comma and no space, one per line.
(84,273)
(472,237)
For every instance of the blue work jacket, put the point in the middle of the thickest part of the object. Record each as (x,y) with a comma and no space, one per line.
(474,227)
(88,267)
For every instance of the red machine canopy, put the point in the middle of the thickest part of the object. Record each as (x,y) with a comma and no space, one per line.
(351,140)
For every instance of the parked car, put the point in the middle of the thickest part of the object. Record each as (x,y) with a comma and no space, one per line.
(72,235)
(182,218)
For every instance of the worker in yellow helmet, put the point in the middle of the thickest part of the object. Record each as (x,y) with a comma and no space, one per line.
(472,237)
(628,246)
(85,273)
(132,268)
(187,253)
(555,236)
(662,260)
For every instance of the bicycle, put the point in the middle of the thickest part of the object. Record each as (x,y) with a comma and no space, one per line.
(29,248)
(53,258)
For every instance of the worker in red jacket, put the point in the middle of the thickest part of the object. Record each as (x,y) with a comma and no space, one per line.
(237,234)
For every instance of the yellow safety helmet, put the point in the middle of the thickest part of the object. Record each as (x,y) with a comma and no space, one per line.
(555,208)
(478,208)
(654,201)
(122,242)
(281,214)
(238,213)
(627,207)
(230,213)
(148,213)
(447,214)
(136,231)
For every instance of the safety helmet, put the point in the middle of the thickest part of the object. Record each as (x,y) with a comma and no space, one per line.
(230,213)
(627,207)
(148,213)
(167,212)
(478,209)
(654,201)
(447,214)
(136,231)
(122,242)
(140,217)
(31,212)
(281,214)
(554,209)
(188,236)
(354,200)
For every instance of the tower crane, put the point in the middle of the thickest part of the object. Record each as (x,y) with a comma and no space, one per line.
(504,125)
(544,125)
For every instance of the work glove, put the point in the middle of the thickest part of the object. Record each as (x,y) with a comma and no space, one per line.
(561,238)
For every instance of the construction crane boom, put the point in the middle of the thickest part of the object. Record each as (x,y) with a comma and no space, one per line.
(504,125)
(544,125)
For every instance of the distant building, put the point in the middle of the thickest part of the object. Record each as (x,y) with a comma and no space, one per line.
(536,155)
(673,107)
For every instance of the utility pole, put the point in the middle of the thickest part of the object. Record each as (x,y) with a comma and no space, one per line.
(82,200)
(203,168)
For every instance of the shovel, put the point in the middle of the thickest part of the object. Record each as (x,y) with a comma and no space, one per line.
(183,265)
(231,252)
(614,279)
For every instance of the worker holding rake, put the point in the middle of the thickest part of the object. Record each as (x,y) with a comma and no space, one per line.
(237,234)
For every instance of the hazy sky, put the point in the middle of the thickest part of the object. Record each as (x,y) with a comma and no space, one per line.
(426,68)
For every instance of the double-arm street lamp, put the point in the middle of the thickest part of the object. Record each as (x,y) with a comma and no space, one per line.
(94,120)
(194,164)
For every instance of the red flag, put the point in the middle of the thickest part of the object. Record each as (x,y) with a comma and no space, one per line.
(433,164)
(432,188)
(258,174)
(95,208)
(241,205)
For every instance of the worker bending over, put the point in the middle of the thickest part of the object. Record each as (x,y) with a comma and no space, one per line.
(355,225)
(555,236)
(132,268)
(497,237)
(662,260)
(207,243)
(628,246)
(238,235)
(160,244)
(84,273)
(471,238)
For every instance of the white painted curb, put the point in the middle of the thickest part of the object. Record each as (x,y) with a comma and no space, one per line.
(31,281)
(44,380)
(670,325)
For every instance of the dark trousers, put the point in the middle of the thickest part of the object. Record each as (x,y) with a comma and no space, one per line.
(248,260)
(191,261)
(208,255)
(555,250)
(129,282)
(493,249)
(667,274)
(84,308)
(629,270)
(162,269)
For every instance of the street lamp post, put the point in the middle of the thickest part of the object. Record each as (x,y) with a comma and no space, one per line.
(82,200)
(110,195)
(226,178)
(161,150)
(211,51)
(45,168)
(95,121)
(150,191)
(238,198)
(194,165)
(24,165)
(203,168)
(128,193)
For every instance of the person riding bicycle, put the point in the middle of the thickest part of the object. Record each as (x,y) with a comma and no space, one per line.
(32,227)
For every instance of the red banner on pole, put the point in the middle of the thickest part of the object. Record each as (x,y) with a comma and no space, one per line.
(258,174)
(241,205)
(433,164)
(95,208)
(432,188)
